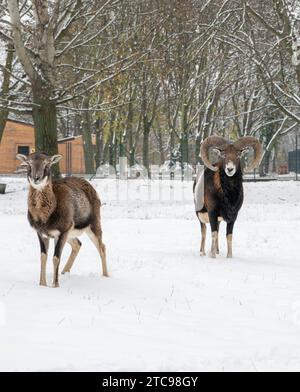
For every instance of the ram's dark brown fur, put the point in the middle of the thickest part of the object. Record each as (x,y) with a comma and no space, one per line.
(222,188)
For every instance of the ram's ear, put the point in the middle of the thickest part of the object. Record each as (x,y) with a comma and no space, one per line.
(23,158)
(217,151)
(55,159)
(244,151)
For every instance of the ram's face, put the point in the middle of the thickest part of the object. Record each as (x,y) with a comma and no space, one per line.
(230,153)
(231,159)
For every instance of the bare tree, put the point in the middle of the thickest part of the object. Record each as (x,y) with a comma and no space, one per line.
(5,87)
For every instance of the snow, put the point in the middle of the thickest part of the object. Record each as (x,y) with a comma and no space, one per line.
(164,308)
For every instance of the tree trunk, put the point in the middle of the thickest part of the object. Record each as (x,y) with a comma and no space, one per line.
(161,147)
(130,135)
(265,165)
(132,156)
(99,143)
(275,160)
(45,123)
(184,135)
(5,89)
(184,148)
(111,141)
(87,139)
(111,148)
(197,149)
(106,152)
(298,75)
(115,150)
(122,149)
(146,136)
(172,143)
(3,118)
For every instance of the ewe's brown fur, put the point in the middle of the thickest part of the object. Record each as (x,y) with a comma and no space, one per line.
(41,204)
(61,209)
(71,203)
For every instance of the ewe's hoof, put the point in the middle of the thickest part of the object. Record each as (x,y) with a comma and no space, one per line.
(55,285)
(213,256)
(106,275)
(202,254)
(229,256)
(43,284)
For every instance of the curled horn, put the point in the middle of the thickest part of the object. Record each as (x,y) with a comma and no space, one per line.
(247,142)
(210,142)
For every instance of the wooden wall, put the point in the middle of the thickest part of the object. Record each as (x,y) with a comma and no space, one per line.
(78,165)
(20,134)
(15,134)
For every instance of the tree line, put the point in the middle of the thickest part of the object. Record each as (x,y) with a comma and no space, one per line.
(150,79)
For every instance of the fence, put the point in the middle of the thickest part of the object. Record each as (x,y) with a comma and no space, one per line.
(294,159)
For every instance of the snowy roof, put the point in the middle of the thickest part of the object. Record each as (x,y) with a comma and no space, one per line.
(68,138)
(23,120)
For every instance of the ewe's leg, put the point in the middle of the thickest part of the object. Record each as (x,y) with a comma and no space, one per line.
(44,244)
(95,234)
(203,239)
(59,245)
(229,239)
(76,245)
(213,218)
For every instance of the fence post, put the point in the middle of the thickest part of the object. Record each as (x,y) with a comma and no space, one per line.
(123,168)
(296,157)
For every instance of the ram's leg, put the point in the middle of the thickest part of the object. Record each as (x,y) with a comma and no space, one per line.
(203,239)
(44,244)
(229,239)
(59,245)
(76,245)
(213,219)
(218,247)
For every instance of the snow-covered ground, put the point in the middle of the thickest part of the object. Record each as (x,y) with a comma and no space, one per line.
(163,308)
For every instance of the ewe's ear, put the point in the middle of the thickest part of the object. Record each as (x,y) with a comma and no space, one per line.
(23,158)
(55,159)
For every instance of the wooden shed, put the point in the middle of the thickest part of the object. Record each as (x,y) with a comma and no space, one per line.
(18,138)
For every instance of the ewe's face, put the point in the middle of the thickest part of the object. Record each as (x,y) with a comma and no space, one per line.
(38,172)
(39,168)
(231,159)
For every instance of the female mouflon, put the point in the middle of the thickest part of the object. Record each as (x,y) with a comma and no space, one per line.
(218,192)
(61,209)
